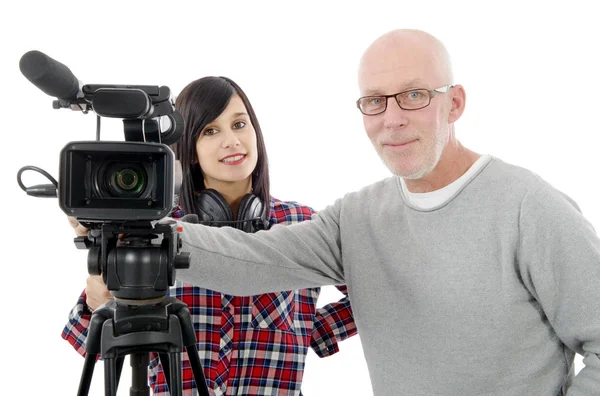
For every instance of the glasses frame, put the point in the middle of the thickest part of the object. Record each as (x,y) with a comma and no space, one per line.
(432,94)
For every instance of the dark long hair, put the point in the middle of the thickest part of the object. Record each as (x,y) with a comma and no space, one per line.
(200,103)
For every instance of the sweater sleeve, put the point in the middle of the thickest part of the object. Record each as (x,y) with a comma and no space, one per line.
(297,256)
(559,261)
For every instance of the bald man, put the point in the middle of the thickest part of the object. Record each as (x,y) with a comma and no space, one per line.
(467,275)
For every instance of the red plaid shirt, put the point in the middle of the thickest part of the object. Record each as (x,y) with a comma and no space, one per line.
(247,345)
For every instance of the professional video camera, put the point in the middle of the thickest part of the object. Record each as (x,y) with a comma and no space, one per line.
(113,181)
(119,190)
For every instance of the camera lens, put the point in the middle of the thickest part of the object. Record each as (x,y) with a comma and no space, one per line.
(120,179)
(127,179)
(126,182)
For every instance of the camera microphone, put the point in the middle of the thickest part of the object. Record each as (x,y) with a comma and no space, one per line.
(49,75)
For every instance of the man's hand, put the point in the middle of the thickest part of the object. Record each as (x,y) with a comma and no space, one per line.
(96,292)
(79,229)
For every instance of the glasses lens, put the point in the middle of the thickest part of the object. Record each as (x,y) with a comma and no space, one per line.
(372,104)
(413,99)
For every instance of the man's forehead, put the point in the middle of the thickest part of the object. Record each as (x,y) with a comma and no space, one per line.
(403,60)
(397,73)
(397,78)
(391,86)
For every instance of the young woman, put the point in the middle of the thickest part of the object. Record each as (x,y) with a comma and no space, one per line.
(247,345)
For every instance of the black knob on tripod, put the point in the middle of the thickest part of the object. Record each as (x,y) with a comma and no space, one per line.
(93,261)
(182,261)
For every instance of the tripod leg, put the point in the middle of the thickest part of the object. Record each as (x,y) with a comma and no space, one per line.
(197,370)
(175,373)
(92,347)
(189,341)
(120,362)
(139,374)
(110,377)
(164,361)
(86,375)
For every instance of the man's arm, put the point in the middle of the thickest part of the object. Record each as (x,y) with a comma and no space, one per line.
(559,260)
(290,257)
(333,323)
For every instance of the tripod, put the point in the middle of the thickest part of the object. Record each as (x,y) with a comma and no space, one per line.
(117,330)
(141,319)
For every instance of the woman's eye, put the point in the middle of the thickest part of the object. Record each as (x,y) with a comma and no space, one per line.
(209,132)
(239,125)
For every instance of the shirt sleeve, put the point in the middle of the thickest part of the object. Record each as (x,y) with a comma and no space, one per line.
(333,323)
(559,262)
(76,330)
(296,256)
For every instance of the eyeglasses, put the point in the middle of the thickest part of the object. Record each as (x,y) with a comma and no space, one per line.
(413,99)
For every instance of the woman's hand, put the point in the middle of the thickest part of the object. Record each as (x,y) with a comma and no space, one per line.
(79,229)
(96,292)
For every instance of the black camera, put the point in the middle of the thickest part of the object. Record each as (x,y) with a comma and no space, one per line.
(102,181)
(117,190)
(122,181)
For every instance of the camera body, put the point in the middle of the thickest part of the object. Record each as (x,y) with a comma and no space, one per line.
(116,181)
(117,189)
(112,181)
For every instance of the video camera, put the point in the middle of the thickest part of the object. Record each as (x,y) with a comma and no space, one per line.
(118,190)
(113,181)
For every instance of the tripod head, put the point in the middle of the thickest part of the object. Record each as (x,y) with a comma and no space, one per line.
(137,260)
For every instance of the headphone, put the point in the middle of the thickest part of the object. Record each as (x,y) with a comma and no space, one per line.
(213,210)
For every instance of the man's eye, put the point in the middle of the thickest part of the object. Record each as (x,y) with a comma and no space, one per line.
(375,101)
(414,95)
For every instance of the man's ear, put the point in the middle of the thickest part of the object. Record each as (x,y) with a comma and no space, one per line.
(458,99)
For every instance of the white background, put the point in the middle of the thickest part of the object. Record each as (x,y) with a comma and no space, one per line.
(530,70)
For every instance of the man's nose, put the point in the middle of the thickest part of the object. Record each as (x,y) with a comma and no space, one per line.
(394,115)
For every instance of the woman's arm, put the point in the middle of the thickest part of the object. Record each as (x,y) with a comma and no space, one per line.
(333,323)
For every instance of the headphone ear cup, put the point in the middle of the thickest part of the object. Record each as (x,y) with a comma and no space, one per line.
(211,206)
(251,207)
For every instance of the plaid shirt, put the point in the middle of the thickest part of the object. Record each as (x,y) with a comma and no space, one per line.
(253,345)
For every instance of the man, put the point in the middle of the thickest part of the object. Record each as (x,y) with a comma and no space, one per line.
(467,275)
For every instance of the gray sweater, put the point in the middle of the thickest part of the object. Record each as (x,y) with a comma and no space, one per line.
(490,293)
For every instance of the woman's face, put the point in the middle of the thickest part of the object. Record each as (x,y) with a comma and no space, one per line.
(226,146)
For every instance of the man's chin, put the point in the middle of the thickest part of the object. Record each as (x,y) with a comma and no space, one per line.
(408,172)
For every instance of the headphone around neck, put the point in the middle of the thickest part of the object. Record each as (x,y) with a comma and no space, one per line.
(213,210)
